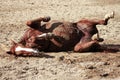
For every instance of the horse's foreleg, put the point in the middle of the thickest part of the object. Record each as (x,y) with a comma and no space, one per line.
(37,22)
(47,36)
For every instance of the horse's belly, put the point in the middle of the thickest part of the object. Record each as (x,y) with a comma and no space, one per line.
(67,36)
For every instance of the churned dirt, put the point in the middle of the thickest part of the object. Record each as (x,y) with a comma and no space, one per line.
(61,65)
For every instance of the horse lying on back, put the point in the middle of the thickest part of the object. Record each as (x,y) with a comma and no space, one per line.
(54,36)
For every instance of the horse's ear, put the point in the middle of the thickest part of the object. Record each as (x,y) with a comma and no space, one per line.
(12,49)
(13,42)
(28,23)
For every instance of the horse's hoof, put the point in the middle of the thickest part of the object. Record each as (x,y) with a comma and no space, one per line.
(100,40)
(110,15)
(46,19)
(9,52)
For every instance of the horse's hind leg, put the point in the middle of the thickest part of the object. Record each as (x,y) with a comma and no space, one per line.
(88,46)
(109,16)
(102,22)
(105,20)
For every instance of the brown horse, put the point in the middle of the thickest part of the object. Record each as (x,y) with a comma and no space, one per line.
(59,36)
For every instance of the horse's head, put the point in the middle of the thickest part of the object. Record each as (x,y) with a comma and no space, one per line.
(19,49)
(32,45)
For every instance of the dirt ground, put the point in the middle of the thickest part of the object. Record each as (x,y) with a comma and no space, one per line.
(61,65)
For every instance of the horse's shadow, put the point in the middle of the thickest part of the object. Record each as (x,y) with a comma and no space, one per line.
(111,47)
(106,47)
(39,55)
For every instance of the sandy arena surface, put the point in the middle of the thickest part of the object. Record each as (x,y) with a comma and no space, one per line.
(61,65)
